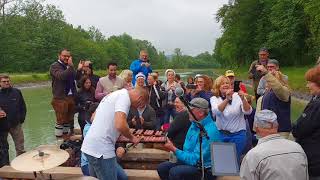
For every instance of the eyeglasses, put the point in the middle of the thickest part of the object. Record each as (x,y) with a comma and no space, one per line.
(263,54)
(5,81)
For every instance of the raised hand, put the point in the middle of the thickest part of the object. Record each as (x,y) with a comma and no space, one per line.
(229,94)
(262,69)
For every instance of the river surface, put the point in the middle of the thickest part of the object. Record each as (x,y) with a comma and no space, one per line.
(39,124)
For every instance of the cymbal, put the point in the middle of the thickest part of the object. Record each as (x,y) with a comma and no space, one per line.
(40,159)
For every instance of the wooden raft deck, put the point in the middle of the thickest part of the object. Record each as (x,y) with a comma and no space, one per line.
(139,164)
(74,173)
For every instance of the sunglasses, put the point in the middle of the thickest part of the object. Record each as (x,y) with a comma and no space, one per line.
(5,81)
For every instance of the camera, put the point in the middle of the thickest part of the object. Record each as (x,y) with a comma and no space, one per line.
(71,144)
(87,105)
(191,86)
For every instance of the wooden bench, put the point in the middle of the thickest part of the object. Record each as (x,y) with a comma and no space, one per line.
(146,158)
(74,173)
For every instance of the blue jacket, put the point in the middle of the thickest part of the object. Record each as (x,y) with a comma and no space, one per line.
(84,160)
(136,67)
(191,148)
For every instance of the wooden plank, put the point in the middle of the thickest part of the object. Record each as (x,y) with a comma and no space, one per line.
(228,178)
(145,154)
(56,173)
(134,174)
(151,165)
(73,173)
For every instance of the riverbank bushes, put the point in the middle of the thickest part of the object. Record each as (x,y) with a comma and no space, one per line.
(288,28)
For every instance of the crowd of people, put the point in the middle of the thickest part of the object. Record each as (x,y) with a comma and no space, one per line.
(109,106)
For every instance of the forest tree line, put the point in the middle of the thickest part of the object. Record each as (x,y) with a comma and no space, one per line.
(290,29)
(32,34)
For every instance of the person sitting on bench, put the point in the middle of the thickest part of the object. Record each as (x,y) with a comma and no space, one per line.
(188,158)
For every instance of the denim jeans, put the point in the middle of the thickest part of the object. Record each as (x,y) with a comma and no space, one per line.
(239,138)
(85,170)
(178,171)
(169,111)
(105,169)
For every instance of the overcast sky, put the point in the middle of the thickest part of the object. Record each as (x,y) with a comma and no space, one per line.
(167,24)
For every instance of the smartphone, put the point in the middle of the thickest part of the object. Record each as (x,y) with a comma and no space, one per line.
(191,86)
(236,86)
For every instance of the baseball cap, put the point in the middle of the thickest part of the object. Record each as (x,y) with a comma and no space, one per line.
(229,73)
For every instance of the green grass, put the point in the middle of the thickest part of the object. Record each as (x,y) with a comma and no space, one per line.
(297,107)
(29,78)
(297,81)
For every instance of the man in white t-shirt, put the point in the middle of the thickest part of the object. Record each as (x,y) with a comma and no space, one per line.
(109,122)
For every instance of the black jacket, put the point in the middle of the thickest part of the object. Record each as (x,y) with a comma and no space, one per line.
(83,101)
(307,134)
(155,100)
(12,102)
(178,129)
(148,115)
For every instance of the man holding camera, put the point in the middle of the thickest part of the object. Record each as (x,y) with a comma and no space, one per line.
(141,65)
(64,90)
(85,68)
(255,74)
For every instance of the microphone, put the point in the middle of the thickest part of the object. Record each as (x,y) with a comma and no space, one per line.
(179,92)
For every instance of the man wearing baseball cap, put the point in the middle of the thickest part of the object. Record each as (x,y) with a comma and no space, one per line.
(232,77)
(188,157)
(274,157)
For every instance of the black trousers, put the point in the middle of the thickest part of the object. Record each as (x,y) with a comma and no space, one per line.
(4,149)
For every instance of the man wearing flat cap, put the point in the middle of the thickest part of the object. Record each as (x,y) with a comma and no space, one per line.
(274,157)
(187,159)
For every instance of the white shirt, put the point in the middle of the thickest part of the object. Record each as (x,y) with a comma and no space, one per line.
(232,118)
(102,135)
(275,158)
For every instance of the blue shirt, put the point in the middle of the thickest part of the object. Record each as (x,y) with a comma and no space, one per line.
(191,147)
(136,67)
(84,160)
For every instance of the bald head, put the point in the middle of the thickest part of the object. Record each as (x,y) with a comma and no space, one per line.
(139,97)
